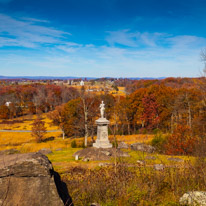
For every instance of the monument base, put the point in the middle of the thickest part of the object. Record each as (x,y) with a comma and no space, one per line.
(102,140)
(102,144)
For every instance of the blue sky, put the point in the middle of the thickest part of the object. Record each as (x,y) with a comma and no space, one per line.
(98,38)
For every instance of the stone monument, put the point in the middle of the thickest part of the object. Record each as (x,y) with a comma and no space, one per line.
(102,140)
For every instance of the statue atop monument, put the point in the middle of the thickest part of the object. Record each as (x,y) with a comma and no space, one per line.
(102,108)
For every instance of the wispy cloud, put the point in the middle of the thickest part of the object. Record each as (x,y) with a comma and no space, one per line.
(151,40)
(27,32)
(123,53)
(32,20)
(133,39)
(186,41)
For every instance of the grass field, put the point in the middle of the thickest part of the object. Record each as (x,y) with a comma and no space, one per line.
(24,142)
(128,183)
(25,123)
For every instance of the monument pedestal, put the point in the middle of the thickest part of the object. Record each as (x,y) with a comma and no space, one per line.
(102,140)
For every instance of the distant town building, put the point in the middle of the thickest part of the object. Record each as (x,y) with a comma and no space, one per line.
(82,83)
(7,104)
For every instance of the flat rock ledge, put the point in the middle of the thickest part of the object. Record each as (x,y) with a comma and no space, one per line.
(194,198)
(142,147)
(92,153)
(29,179)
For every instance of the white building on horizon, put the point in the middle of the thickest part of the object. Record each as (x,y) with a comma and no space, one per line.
(7,104)
(82,83)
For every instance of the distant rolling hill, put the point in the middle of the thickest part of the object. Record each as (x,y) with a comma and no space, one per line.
(41,77)
(65,78)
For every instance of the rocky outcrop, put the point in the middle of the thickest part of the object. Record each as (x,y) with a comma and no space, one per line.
(159,167)
(175,159)
(123,145)
(45,151)
(9,151)
(142,147)
(195,198)
(29,179)
(92,153)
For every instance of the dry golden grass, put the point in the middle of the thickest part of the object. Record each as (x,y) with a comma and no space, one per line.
(27,123)
(121,92)
(129,139)
(24,142)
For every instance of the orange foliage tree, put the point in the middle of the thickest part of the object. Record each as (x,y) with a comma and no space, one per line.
(181,142)
(38,129)
(150,112)
(4,112)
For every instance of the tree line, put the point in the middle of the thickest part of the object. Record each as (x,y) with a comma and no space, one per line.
(18,100)
(156,106)
(148,105)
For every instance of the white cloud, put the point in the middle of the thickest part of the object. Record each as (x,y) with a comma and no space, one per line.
(24,33)
(186,41)
(133,39)
(33,20)
(122,37)
(127,54)
(149,40)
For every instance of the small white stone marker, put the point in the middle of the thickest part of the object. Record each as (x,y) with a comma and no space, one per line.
(76,157)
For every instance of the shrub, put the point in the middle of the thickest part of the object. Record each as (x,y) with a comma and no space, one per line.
(73,144)
(128,186)
(156,131)
(115,144)
(158,142)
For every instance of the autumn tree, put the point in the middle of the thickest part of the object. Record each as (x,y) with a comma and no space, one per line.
(164,98)
(181,142)
(4,112)
(58,118)
(68,94)
(125,113)
(74,118)
(202,87)
(89,104)
(38,129)
(150,116)
(136,107)
(77,117)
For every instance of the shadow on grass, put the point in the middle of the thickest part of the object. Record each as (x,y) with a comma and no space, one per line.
(48,139)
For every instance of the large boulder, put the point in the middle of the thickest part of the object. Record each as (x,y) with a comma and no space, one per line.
(93,153)
(123,145)
(29,179)
(142,147)
(195,198)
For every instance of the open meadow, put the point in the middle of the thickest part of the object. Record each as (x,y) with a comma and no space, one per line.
(119,181)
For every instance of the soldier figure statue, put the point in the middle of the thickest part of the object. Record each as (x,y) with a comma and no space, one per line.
(102,108)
